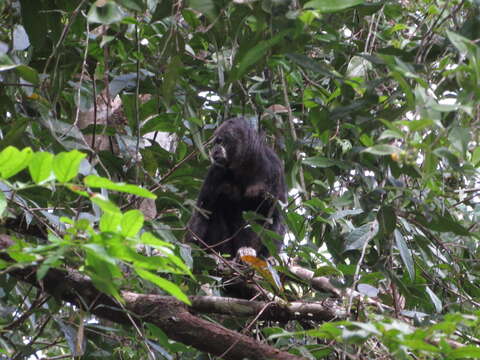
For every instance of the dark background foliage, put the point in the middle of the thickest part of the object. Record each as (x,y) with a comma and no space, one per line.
(372,106)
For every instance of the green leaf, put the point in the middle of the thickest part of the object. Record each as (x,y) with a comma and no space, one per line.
(326,331)
(405,253)
(476,156)
(315,66)
(66,165)
(19,251)
(95,181)
(445,223)
(148,238)
(329,6)
(12,161)
(163,10)
(166,249)
(102,269)
(319,161)
(3,203)
(459,138)
(435,300)
(110,221)
(164,284)
(104,204)
(452,159)
(206,7)
(105,12)
(132,222)
(252,56)
(40,166)
(161,122)
(357,238)
(387,219)
(35,25)
(28,73)
(463,45)
(20,256)
(16,132)
(464,352)
(6,63)
(391,134)
(135,5)
(382,150)
(344,213)
(417,125)
(323,162)
(172,73)
(419,344)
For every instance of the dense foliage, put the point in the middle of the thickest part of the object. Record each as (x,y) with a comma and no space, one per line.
(372,106)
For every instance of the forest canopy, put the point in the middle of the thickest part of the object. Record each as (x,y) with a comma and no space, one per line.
(107,110)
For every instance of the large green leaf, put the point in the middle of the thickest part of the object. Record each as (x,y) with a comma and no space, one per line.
(171,77)
(356,239)
(110,221)
(164,284)
(254,54)
(40,167)
(3,204)
(132,222)
(465,352)
(462,44)
(66,165)
(16,132)
(328,6)
(405,253)
(434,299)
(105,12)
(28,73)
(95,181)
(387,219)
(383,150)
(12,161)
(323,162)
(206,7)
(35,25)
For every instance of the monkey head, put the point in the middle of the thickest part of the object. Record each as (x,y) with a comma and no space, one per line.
(231,143)
(218,154)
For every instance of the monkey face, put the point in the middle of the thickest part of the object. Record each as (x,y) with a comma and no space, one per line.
(227,145)
(218,154)
(225,151)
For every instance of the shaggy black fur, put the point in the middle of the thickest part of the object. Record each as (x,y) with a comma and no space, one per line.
(245,175)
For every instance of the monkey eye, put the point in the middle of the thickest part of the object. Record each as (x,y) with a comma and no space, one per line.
(218,140)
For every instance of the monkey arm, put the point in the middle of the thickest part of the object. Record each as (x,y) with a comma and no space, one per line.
(210,191)
(212,187)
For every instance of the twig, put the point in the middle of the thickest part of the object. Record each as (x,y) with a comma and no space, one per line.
(247,327)
(64,34)
(292,131)
(17,84)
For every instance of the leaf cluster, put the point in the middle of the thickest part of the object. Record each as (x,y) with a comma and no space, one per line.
(106,110)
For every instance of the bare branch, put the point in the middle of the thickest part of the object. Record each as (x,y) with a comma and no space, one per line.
(172,316)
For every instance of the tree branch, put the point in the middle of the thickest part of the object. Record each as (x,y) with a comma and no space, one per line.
(175,318)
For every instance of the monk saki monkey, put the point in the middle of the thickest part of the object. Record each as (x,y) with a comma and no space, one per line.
(245,175)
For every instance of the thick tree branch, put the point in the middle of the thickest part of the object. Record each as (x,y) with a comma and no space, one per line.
(175,318)
(319,283)
(297,310)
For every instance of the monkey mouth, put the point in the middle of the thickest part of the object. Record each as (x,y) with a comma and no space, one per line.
(221,162)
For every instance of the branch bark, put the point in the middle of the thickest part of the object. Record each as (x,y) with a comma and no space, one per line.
(175,318)
(319,283)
